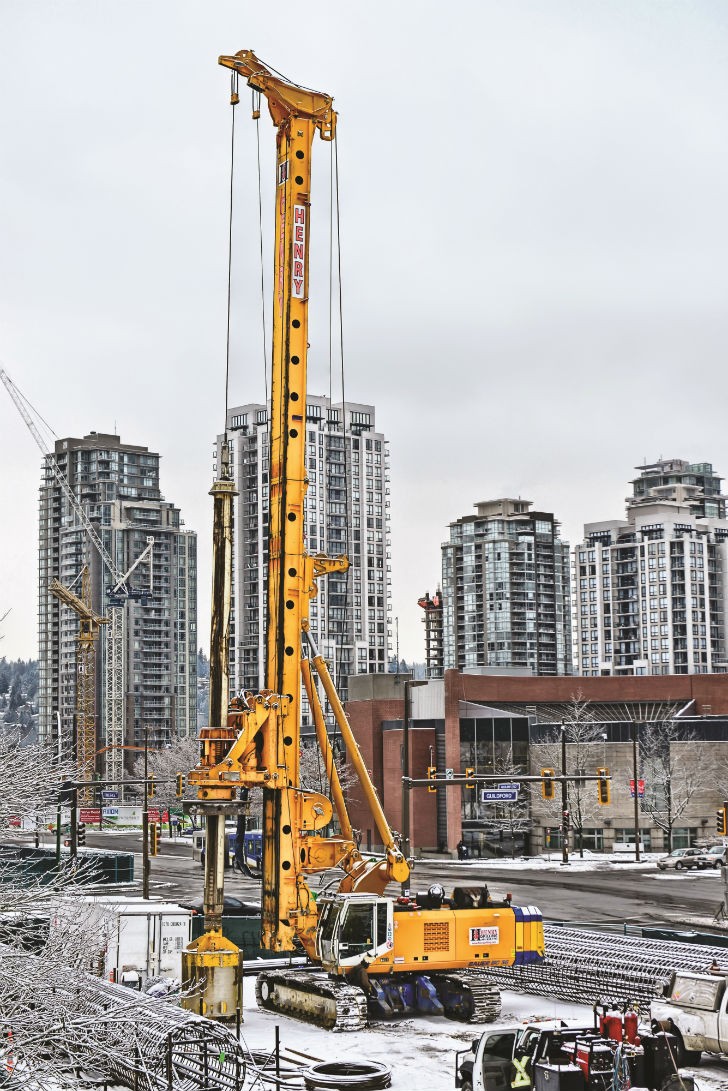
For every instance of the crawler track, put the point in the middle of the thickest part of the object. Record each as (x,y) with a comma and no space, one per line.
(331,1004)
(484,997)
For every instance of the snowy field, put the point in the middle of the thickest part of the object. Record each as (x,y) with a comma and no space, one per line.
(421,1052)
(591,861)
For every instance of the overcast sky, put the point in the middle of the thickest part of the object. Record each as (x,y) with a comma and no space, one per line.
(534,233)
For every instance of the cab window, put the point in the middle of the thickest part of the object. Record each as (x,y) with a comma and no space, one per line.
(356,934)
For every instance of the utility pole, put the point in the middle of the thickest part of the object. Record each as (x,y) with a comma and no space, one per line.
(636,795)
(564,802)
(145,818)
(409,683)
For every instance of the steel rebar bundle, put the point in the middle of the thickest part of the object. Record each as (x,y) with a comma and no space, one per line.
(593,967)
(85,1022)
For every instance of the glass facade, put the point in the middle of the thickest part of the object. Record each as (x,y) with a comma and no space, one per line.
(346,511)
(506,591)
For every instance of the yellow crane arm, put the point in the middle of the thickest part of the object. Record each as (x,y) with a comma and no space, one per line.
(286,100)
(69,598)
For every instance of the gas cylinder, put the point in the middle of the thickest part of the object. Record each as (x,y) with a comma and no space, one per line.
(631,1024)
(610,1025)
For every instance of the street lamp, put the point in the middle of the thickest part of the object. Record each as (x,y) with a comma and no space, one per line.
(409,684)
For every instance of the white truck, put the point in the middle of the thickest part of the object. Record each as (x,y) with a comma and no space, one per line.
(135,940)
(694,1007)
(504,1056)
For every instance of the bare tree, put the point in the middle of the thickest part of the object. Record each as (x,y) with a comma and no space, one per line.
(585,741)
(670,780)
(163,767)
(507,821)
(30,778)
(56,1019)
(314,775)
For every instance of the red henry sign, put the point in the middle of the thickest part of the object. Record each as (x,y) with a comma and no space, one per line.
(299,250)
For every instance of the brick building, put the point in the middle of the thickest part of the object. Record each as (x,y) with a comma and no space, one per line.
(501,724)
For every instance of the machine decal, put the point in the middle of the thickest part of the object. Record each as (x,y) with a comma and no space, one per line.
(489,935)
(299,250)
(282,172)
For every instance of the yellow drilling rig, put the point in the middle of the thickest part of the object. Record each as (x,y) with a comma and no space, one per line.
(427,953)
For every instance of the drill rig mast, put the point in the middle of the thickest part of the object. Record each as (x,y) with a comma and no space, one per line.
(259,745)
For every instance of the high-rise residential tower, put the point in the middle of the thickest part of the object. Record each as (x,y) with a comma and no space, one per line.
(505,589)
(433,614)
(117,485)
(651,591)
(346,511)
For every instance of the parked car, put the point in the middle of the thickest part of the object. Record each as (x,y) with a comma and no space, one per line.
(683,858)
(715,855)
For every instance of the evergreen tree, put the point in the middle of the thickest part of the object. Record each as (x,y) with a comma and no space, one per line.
(5,675)
(16,694)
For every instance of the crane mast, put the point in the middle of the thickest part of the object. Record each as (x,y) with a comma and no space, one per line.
(89,624)
(355,932)
(297,115)
(259,744)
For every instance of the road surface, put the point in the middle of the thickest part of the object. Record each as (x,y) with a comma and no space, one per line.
(614,895)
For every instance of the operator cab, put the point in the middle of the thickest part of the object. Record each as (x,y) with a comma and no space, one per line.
(351,928)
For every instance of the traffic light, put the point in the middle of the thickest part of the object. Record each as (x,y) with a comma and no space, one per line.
(81,833)
(565,822)
(431,774)
(153,838)
(180,789)
(604,787)
(720,819)
(547,784)
(469,772)
(150,787)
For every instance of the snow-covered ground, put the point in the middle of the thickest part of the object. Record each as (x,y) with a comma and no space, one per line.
(591,861)
(421,1052)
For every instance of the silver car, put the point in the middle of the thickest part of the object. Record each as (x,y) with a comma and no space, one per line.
(715,855)
(682,859)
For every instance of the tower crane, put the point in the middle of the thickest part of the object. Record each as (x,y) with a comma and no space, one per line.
(119,593)
(89,626)
(424,953)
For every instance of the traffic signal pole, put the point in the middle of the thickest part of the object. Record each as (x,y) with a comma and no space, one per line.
(470,779)
(564,802)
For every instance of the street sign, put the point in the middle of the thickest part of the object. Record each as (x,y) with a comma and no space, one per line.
(89,814)
(509,787)
(497,795)
(109,795)
(449,774)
